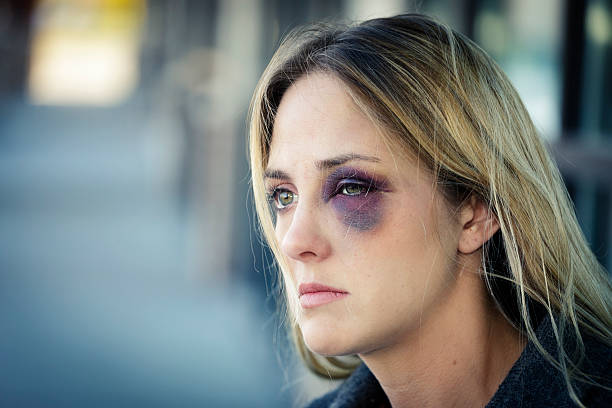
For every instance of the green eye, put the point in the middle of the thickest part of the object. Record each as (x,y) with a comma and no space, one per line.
(284,198)
(352,189)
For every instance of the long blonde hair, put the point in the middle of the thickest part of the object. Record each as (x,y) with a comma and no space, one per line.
(440,96)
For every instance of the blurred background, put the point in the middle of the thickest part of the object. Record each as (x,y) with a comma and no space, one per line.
(130,274)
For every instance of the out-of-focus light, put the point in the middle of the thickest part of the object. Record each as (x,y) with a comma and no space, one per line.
(85,52)
(81,71)
(599,26)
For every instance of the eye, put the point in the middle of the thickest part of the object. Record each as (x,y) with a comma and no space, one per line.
(353,189)
(282,198)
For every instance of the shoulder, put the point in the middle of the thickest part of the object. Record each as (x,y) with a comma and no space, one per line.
(535,382)
(598,365)
(324,401)
(361,389)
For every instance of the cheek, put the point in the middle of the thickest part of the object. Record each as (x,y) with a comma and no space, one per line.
(363,213)
(281,226)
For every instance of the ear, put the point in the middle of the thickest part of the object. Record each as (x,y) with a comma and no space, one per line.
(478,225)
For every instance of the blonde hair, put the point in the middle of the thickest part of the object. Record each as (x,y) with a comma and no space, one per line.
(441,97)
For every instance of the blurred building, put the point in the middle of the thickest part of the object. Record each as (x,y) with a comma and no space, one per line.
(130,274)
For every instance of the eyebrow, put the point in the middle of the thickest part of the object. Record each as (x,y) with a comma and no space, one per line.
(343,158)
(324,164)
(276,174)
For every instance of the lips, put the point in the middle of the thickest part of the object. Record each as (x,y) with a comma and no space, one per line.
(315,294)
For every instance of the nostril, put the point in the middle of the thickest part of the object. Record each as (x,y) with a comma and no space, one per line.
(306,255)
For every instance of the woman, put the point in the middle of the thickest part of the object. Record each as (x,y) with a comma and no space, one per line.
(419,223)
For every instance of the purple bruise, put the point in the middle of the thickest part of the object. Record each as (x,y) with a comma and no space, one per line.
(362,212)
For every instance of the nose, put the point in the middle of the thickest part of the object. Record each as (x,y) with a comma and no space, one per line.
(304,240)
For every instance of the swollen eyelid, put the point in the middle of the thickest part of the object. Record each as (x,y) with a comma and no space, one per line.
(351,182)
(353,189)
(353,186)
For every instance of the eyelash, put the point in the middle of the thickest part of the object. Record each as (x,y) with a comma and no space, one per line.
(364,187)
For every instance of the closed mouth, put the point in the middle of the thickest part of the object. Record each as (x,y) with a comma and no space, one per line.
(315,294)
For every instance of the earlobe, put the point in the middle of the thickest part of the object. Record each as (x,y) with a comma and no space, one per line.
(478,225)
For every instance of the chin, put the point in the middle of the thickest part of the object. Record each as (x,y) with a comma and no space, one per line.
(326,340)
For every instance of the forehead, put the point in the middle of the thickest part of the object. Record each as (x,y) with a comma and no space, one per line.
(317,117)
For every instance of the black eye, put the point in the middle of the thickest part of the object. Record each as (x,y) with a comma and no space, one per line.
(352,189)
(283,198)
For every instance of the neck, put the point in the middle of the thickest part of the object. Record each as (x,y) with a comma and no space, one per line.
(458,356)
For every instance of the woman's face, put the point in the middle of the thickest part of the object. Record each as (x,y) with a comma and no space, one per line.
(371,246)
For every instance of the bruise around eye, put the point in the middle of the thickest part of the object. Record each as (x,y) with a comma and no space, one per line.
(351,182)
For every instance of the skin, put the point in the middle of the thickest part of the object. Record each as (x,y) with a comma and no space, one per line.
(356,217)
